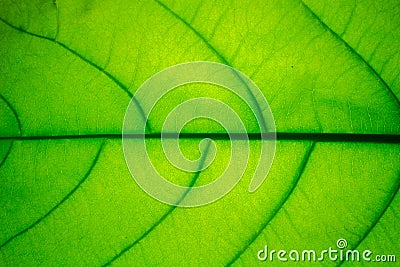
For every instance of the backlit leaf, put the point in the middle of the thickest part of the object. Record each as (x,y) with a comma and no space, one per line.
(69,69)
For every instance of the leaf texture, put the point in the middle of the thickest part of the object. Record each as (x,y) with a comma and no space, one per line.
(329,71)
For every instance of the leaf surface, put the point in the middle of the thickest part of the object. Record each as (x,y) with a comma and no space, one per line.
(69,70)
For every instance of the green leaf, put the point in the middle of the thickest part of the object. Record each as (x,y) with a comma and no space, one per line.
(329,71)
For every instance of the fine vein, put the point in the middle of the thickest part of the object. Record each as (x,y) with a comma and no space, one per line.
(169,211)
(280,205)
(378,218)
(7,153)
(93,64)
(14,113)
(66,197)
(222,58)
(353,51)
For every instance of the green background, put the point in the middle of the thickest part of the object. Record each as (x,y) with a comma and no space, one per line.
(69,69)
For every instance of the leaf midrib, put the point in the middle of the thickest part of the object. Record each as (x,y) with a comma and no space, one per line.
(280,136)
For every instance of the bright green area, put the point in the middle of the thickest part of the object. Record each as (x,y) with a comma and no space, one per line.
(69,68)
